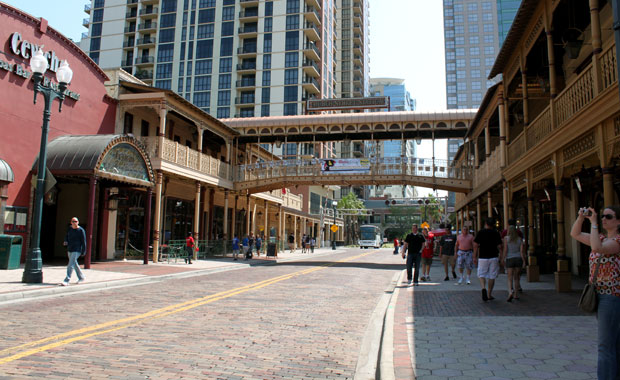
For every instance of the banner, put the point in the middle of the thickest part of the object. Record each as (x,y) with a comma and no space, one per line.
(346,165)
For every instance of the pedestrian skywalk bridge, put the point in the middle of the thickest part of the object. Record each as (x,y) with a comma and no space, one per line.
(269,175)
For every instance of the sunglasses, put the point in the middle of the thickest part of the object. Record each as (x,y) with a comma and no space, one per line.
(608,216)
(75,221)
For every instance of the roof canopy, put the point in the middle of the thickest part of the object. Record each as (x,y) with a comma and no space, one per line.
(116,157)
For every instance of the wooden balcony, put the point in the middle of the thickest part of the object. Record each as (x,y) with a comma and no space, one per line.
(181,160)
(569,103)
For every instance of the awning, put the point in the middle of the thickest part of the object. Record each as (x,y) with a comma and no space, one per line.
(6,173)
(119,158)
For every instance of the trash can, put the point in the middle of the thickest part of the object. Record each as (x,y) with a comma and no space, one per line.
(10,251)
(271,249)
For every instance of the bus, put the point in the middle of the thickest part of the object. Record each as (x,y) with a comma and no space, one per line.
(370,236)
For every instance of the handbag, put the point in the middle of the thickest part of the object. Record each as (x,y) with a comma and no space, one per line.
(588,301)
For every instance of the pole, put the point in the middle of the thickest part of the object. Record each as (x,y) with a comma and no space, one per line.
(616,12)
(33,271)
(333,233)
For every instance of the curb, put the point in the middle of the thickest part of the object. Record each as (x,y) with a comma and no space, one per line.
(112,284)
(371,352)
(386,358)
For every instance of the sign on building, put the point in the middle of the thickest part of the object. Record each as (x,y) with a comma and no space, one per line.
(347,103)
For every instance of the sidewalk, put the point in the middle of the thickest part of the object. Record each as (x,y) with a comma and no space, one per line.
(442,331)
(123,273)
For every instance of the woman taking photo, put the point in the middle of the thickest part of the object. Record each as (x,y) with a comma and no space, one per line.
(513,259)
(605,253)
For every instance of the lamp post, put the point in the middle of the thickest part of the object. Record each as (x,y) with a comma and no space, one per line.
(33,272)
(334,204)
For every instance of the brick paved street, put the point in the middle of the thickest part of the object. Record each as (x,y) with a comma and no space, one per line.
(443,331)
(295,320)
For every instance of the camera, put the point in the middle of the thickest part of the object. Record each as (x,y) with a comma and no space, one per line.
(586,212)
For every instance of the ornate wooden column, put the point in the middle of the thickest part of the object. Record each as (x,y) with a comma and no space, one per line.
(505,201)
(247,216)
(92,189)
(478,215)
(487,139)
(502,131)
(476,155)
(163,112)
(489,204)
(595,28)
(197,217)
(157,217)
(563,275)
(147,226)
(266,225)
(211,206)
(280,236)
(225,229)
(533,271)
(233,230)
(295,230)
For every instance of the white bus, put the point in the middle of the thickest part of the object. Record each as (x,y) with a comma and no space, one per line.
(370,236)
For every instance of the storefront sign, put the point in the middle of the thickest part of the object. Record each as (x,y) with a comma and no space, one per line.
(346,165)
(124,160)
(24,49)
(347,103)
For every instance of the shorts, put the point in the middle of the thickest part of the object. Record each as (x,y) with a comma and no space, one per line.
(465,260)
(236,251)
(427,260)
(515,262)
(245,249)
(448,259)
(488,268)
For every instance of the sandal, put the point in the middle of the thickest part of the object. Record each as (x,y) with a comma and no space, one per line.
(510,297)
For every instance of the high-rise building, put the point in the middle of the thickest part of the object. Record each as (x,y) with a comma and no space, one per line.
(353,47)
(231,58)
(506,12)
(400,100)
(471,44)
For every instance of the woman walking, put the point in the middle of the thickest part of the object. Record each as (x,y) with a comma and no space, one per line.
(513,259)
(427,255)
(605,262)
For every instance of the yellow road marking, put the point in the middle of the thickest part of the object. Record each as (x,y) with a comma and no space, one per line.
(106,327)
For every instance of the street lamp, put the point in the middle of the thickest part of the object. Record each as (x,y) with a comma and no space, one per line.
(33,272)
(334,204)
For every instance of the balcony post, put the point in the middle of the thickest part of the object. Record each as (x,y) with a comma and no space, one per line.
(595,23)
(247,215)
(280,218)
(162,130)
(506,202)
(478,214)
(211,209)
(489,204)
(197,216)
(502,131)
(233,230)
(266,225)
(476,158)
(550,52)
(199,147)
(157,217)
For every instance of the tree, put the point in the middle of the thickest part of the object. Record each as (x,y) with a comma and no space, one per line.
(356,212)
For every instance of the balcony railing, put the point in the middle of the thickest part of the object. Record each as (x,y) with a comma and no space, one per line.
(187,158)
(386,166)
(147,11)
(146,41)
(490,167)
(574,98)
(145,59)
(87,8)
(246,49)
(246,66)
(246,83)
(85,22)
(148,25)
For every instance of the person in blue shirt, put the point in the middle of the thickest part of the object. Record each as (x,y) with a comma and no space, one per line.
(75,241)
(235,247)
(246,246)
(259,242)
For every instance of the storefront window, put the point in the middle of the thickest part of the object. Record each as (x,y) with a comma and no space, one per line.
(179,219)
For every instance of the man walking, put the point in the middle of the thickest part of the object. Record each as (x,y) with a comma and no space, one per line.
(235,247)
(413,246)
(464,249)
(291,242)
(447,252)
(75,241)
(189,248)
(487,245)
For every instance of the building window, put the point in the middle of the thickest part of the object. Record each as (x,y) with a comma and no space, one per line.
(266,95)
(460,63)
(476,97)
(223,112)
(451,89)
(487,28)
(202,83)
(228,13)
(264,110)
(225,65)
(459,29)
(290,76)
(461,86)
(164,53)
(450,55)
(292,6)
(98,15)
(204,66)
(268,24)
(292,41)
(487,6)
(472,7)
(164,71)
(224,81)
(247,97)
(246,112)
(266,78)
(206,15)
(95,30)
(460,52)
(166,35)
(487,16)
(206,4)
(291,59)
(472,17)
(223,98)
(452,100)
(461,98)
(202,99)
(167,21)
(226,47)
(204,49)
(473,28)
(458,19)
(473,51)
(163,84)
(450,67)
(95,44)
(290,109)
(267,43)
(292,22)
(476,85)
(267,61)
(460,40)
(290,93)
(475,73)
(205,31)
(489,61)
(474,62)
(228,28)
(489,50)
(128,123)
(488,39)
(460,74)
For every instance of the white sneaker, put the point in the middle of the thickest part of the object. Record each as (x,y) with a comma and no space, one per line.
(64,283)
(459,282)
(428,278)
(468,282)
(81,280)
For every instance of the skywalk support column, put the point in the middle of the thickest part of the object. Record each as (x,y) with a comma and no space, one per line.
(157,217)
(197,217)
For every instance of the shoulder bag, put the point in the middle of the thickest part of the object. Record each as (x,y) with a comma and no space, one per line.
(588,301)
